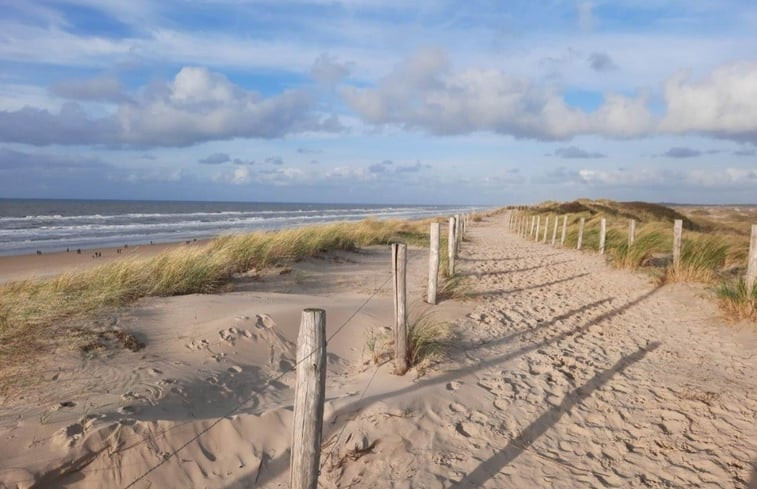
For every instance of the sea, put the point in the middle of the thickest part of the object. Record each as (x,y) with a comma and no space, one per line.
(45,225)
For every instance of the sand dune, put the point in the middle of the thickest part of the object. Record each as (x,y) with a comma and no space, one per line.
(564,373)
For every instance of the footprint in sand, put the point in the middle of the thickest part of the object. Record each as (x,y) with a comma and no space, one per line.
(198,345)
(454,385)
(154,372)
(235,369)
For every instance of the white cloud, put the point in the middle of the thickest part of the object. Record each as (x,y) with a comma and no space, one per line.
(423,92)
(197,105)
(722,104)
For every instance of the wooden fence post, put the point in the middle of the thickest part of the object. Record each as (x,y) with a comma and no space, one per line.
(554,231)
(309,396)
(546,229)
(533,223)
(751,269)
(631,231)
(538,223)
(677,235)
(602,235)
(564,229)
(458,233)
(433,262)
(399,270)
(451,239)
(580,233)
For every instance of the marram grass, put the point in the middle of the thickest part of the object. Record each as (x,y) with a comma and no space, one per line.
(737,301)
(701,259)
(29,308)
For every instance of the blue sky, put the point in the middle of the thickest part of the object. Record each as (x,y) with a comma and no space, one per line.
(386,101)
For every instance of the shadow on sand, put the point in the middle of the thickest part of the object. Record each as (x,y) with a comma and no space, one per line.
(489,468)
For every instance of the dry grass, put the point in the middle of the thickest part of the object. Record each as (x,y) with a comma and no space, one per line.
(737,301)
(701,260)
(29,309)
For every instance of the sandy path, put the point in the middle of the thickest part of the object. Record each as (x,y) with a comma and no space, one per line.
(568,374)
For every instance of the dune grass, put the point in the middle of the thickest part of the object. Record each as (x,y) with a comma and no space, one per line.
(427,340)
(29,309)
(701,259)
(737,301)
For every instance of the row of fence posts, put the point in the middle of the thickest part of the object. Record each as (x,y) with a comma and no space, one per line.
(519,224)
(310,386)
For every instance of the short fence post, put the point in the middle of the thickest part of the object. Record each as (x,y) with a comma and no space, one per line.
(631,231)
(751,269)
(433,262)
(538,223)
(554,231)
(309,396)
(564,229)
(677,235)
(533,223)
(602,235)
(580,233)
(451,239)
(399,270)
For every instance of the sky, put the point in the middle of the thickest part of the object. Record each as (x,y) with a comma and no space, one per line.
(379,101)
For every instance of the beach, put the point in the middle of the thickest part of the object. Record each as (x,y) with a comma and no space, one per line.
(563,372)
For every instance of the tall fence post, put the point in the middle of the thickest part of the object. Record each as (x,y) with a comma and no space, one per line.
(631,231)
(554,231)
(309,396)
(399,270)
(533,223)
(677,235)
(602,235)
(538,223)
(546,228)
(580,233)
(433,262)
(451,240)
(564,229)
(458,233)
(751,269)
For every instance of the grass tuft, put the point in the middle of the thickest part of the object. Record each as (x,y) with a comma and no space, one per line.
(737,301)
(427,340)
(701,259)
(644,247)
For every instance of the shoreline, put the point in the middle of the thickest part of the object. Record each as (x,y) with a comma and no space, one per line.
(32,266)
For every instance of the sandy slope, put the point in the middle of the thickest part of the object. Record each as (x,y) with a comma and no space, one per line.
(565,373)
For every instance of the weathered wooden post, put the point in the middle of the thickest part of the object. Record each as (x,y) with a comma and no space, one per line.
(433,262)
(677,235)
(533,223)
(564,229)
(554,231)
(546,229)
(451,240)
(580,233)
(309,396)
(399,269)
(538,223)
(751,269)
(458,233)
(602,235)
(631,231)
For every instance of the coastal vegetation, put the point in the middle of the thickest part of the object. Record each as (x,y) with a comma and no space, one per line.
(31,311)
(714,247)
